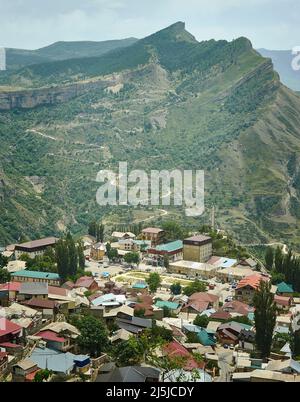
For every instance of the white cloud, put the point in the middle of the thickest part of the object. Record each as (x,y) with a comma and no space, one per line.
(35,23)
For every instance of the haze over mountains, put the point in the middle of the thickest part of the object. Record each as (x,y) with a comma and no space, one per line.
(163,102)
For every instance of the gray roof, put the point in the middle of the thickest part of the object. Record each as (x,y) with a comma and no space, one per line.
(130,374)
(34,288)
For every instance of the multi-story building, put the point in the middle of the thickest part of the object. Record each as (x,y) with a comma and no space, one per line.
(155,235)
(197,248)
(35,248)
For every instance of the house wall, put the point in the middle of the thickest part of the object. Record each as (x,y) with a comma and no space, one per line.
(197,253)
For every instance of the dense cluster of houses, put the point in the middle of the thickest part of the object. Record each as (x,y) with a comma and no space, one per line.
(34,306)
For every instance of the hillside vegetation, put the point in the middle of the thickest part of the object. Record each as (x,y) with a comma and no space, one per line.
(177,104)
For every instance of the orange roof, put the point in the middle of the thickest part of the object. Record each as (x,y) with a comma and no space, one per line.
(253,281)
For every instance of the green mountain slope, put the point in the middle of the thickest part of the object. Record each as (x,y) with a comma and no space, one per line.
(18,58)
(175,104)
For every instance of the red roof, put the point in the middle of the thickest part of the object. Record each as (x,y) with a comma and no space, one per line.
(7,327)
(50,336)
(203,297)
(220,315)
(175,349)
(283,301)
(253,281)
(11,286)
(238,307)
(84,282)
(31,376)
(41,303)
(10,345)
(54,290)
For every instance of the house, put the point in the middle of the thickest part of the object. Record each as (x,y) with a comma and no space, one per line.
(123,235)
(87,282)
(15,266)
(221,315)
(9,292)
(9,331)
(197,248)
(3,362)
(228,333)
(237,308)
(205,338)
(289,366)
(283,303)
(36,276)
(173,250)
(200,302)
(23,369)
(155,235)
(46,307)
(134,325)
(233,273)
(247,339)
(26,317)
(193,269)
(171,306)
(283,324)
(247,287)
(98,251)
(283,289)
(33,290)
(120,336)
(53,341)
(58,362)
(175,350)
(142,374)
(35,248)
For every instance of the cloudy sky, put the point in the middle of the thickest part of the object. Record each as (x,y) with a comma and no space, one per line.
(273,24)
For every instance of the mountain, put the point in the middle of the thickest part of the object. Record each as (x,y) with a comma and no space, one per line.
(165,102)
(17,58)
(282,60)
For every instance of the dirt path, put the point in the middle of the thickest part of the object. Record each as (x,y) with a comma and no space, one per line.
(41,134)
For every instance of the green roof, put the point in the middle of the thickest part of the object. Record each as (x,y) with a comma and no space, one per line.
(170,247)
(284,288)
(170,305)
(205,338)
(36,275)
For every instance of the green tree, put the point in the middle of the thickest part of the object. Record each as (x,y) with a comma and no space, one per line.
(166,261)
(42,375)
(100,233)
(201,321)
(81,257)
(265,318)
(295,345)
(176,289)
(93,229)
(173,231)
(3,261)
(195,287)
(129,353)
(94,336)
(269,258)
(153,281)
(4,275)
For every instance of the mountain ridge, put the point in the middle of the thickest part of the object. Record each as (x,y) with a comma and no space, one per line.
(214,105)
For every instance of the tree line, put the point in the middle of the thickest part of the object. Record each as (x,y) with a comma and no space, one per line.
(283,267)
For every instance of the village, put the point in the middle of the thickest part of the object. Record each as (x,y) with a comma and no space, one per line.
(143,309)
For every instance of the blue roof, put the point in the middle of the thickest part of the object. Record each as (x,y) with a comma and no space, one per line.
(54,360)
(139,286)
(170,305)
(284,288)
(170,247)
(36,274)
